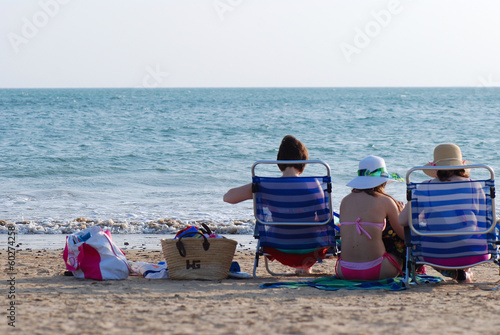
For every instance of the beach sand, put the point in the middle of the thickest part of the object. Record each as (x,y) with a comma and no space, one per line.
(47,302)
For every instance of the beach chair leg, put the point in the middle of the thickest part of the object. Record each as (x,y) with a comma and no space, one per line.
(272,273)
(255,265)
(407,268)
(256,261)
(266,261)
(414,272)
(259,252)
(410,261)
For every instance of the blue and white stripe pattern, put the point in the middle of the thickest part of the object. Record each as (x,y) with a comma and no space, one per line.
(300,200)
(452,207)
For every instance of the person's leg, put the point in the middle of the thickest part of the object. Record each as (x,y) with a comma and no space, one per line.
(391,267)
(303,271)
(460,275)
(464,276)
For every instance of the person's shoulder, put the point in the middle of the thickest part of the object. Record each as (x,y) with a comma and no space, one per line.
(347,198)
(387,200)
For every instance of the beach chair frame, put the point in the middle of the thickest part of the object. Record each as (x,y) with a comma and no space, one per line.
(258,221)
(412,229)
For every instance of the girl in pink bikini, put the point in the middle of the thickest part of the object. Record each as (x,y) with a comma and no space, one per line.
(363,218)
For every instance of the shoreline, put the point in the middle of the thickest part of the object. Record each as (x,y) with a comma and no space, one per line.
(146,226)
(123,241)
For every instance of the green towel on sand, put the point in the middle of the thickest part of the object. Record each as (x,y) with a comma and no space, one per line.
(333,283)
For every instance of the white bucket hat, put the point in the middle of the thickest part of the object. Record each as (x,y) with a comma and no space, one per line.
(372,172)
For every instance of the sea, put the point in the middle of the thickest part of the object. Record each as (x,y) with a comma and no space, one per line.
(152,161)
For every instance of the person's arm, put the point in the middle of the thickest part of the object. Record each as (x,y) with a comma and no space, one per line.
(393,215)
(238,194)
(403,217)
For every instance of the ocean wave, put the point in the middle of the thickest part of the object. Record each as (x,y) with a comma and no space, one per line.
(160,226)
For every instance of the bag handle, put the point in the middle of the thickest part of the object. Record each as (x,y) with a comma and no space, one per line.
(66,257)
(182,250)
(206,229)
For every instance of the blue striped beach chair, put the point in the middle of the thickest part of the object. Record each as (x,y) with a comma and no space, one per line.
(293,218)
(452,225)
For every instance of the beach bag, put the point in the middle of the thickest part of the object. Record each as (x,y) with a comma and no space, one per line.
(198,255)
(92,254)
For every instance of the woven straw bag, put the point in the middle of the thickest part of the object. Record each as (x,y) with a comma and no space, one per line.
(198,258)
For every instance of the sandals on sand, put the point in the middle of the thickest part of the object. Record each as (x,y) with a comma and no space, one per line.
(460,275)
(235,272)
(464,276)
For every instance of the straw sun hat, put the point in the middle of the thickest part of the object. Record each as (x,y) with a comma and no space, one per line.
(372,172)
(446,154)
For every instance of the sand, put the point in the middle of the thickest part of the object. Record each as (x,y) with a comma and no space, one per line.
(47,302)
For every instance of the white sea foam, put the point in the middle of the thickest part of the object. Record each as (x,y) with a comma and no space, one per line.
(161,226)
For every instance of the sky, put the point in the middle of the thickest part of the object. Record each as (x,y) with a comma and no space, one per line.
(249,43)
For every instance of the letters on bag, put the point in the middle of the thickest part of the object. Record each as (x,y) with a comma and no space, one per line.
(195,265)
(92,254)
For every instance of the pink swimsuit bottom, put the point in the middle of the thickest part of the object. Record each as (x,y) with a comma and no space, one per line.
(364,270)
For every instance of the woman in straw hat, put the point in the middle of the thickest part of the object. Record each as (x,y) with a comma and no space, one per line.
(363,216)
(446,154)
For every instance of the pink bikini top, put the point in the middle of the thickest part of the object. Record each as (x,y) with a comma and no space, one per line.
(360,229)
